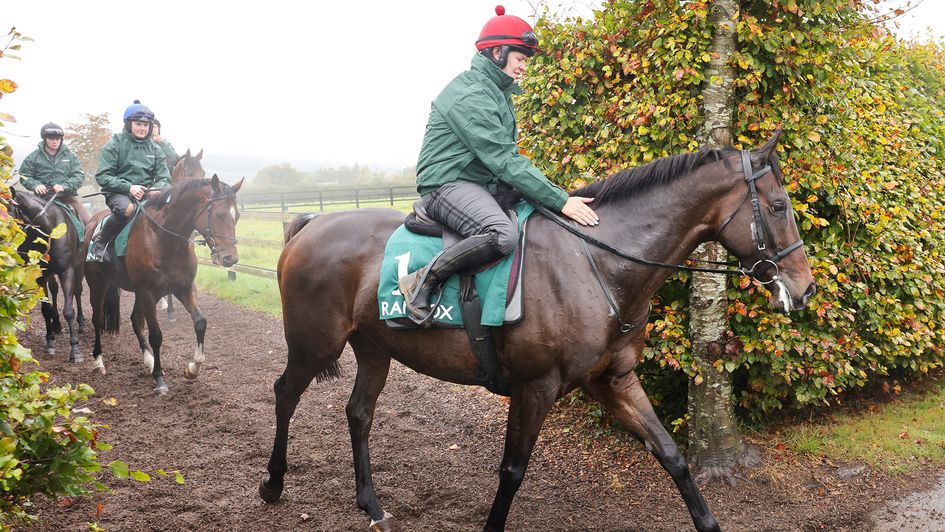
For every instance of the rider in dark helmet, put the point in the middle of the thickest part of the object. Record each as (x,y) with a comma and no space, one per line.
(53,168)
(469,155)
(170,154)
(129,165)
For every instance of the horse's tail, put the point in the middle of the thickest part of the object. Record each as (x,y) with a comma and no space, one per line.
(296,225)
(112,309)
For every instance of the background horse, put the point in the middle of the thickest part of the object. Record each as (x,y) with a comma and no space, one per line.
(187,168)
(40,216)
(160,260)
(570,335)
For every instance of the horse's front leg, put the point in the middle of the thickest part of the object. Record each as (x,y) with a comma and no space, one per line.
(97,290)
(50,313)
(68,281)
(373,367)
(78,274)
(189,298)
(621,393)
(137,324)
(528,407)
(155,337)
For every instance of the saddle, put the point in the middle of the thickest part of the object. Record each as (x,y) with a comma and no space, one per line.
(465,295)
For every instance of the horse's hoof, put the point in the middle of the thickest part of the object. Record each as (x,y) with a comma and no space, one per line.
(191,371)
(387,524)
(161,390)
(76,357)
(51,352)
(269,494)
(98,369)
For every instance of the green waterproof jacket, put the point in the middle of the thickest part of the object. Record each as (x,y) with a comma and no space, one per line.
(63,169)
(127,161)
(471,135)
(170,155)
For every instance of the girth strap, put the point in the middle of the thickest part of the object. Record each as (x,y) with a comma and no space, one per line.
(489,373)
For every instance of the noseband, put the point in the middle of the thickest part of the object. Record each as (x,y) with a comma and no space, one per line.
(760,232)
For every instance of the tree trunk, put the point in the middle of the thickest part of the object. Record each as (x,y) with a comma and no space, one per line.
(715,445)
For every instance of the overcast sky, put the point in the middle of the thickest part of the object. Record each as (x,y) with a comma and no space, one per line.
(299,81)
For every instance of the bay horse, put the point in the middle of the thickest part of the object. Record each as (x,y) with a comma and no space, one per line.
(39,216)
(187,168)
(160,260)
(580,328)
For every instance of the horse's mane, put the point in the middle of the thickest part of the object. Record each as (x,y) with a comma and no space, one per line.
(660,172)
(183,189)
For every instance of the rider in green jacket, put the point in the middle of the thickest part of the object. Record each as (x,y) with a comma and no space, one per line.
(53,168)
(129,165)
(470,156)
(170,154)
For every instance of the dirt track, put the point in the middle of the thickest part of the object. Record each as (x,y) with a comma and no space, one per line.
(435,448)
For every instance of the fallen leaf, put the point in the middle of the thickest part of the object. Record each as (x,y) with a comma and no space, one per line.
(904,435)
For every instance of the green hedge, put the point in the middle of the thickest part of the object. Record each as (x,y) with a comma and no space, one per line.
(863,146)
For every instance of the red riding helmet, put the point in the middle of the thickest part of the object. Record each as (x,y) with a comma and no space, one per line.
(508,30)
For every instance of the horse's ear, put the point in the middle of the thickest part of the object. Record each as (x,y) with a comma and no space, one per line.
(199,155)
(188,153)
(236,187)
(762,154)
(215,183)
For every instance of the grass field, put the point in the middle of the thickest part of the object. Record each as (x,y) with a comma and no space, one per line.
(897,437)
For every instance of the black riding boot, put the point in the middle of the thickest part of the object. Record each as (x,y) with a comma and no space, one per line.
(463,256)
(110,230)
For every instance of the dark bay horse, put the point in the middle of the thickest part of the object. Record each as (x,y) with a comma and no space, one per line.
(160,260)
(187,168)
(569,337)
(39,216)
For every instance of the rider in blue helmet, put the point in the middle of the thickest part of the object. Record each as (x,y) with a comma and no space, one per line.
(130,165)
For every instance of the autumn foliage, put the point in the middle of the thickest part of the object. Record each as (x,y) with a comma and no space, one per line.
(863,145)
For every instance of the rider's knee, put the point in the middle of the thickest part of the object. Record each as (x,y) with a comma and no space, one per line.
(506,238)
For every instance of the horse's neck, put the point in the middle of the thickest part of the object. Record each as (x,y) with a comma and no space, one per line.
(180,215)
(663,223)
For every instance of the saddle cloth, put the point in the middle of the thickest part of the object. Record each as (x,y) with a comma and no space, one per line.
(499,286)
(70,212)
(120,244)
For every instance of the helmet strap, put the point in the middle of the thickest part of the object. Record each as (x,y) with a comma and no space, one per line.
(503,55)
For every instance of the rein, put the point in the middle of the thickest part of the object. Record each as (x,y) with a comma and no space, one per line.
(760,234)
(29,223)
(207,240)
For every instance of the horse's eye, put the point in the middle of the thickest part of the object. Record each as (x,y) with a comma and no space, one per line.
(778,207)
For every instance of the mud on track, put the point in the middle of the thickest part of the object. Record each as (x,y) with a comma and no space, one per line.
(435,448)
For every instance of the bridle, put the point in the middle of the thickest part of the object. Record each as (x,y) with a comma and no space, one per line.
(760,234)
(29,221)
(209,239)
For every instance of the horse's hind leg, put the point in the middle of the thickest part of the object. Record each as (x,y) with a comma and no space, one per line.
(137,324)
(310,354)
(373,366)
(51,314)
(189,299)
(623,395)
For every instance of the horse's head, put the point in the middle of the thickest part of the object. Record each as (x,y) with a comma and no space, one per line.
(218,227)
(188,168)
(761,230)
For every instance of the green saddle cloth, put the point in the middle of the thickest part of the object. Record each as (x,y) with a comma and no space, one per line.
(121,240)
(407,251)
(70,212)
